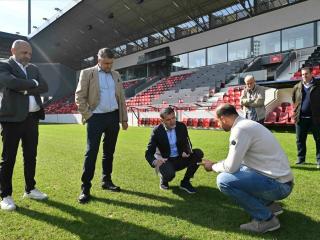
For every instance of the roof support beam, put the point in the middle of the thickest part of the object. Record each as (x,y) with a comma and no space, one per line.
(243,4)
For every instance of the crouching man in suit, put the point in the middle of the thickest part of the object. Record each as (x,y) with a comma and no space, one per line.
(170,150)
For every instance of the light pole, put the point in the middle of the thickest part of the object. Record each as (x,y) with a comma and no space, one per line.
(29,16)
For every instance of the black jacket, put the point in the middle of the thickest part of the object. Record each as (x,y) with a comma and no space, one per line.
(314,101)
(159,139)
(13,82)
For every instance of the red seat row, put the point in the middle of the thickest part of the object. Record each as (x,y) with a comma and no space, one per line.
(201,122)
(282,115)
(315,73)
(154,92)
(62,106)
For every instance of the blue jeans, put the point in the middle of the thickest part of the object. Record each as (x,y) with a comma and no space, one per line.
(253,191)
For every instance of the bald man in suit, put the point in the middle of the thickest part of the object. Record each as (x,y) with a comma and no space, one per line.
(21,108)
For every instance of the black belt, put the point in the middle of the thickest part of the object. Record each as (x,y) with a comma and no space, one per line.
(106,113)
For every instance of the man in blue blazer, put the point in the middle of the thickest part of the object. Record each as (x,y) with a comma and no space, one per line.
(21,108)
(170,150)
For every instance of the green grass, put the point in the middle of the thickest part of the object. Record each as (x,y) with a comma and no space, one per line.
(141,210)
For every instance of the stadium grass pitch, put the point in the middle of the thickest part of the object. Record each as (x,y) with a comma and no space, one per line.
(142,210)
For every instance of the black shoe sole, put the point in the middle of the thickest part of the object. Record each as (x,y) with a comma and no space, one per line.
(118,189)
(83,201)
(164,188)
(187,190)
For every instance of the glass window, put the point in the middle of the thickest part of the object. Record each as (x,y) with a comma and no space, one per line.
(239,49)
(266,43)
(217,54)
(136,72)
(197,58)
(181,62)
(298,37)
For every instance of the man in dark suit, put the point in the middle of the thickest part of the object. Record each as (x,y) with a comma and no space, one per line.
(170,150)
(21,108)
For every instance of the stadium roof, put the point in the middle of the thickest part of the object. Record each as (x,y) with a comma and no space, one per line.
(93,24)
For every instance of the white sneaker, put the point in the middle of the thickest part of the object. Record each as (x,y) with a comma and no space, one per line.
(35,194)
(7,204)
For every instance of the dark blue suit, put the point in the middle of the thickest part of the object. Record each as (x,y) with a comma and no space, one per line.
(159,139)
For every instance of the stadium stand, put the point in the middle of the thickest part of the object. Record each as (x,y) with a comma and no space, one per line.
(281,115)
(62,106)
(193,76)
(197,86)
(145,97)
(128,84)
(312,61)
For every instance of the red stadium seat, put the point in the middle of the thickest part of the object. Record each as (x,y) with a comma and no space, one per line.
(283,118)
(195,122)
(206,123)
(271,118)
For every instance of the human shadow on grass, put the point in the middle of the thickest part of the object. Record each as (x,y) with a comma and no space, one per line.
(306,167)
(207,208)
(88,225)
(211,209)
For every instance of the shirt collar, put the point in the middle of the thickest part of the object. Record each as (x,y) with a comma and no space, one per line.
(307,85)
(238,119)
(252,90)
(100,70)
(167,129)
(19,64)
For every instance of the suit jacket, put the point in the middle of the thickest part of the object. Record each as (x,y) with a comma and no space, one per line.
(13,83)
(314,101)
(87,96)
(159,142)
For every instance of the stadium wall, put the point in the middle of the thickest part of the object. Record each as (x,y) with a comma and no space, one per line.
(293,15)
(61,79)
(76,118)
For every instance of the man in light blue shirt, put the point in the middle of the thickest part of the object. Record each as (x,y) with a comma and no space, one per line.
(101,102)
(170,150)
(108,102)
(172,137)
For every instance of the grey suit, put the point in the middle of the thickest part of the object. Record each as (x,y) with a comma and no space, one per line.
(16,121)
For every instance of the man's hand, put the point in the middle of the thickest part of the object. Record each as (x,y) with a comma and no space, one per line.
(36,82)
(207,164)
(160,161)
(124,125)
(185,155)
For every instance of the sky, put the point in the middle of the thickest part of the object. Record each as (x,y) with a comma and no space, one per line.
(14,13)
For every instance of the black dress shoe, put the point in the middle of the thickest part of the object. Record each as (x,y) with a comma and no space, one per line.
(186,186)
(163,185)
(110,186)
(84,198)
